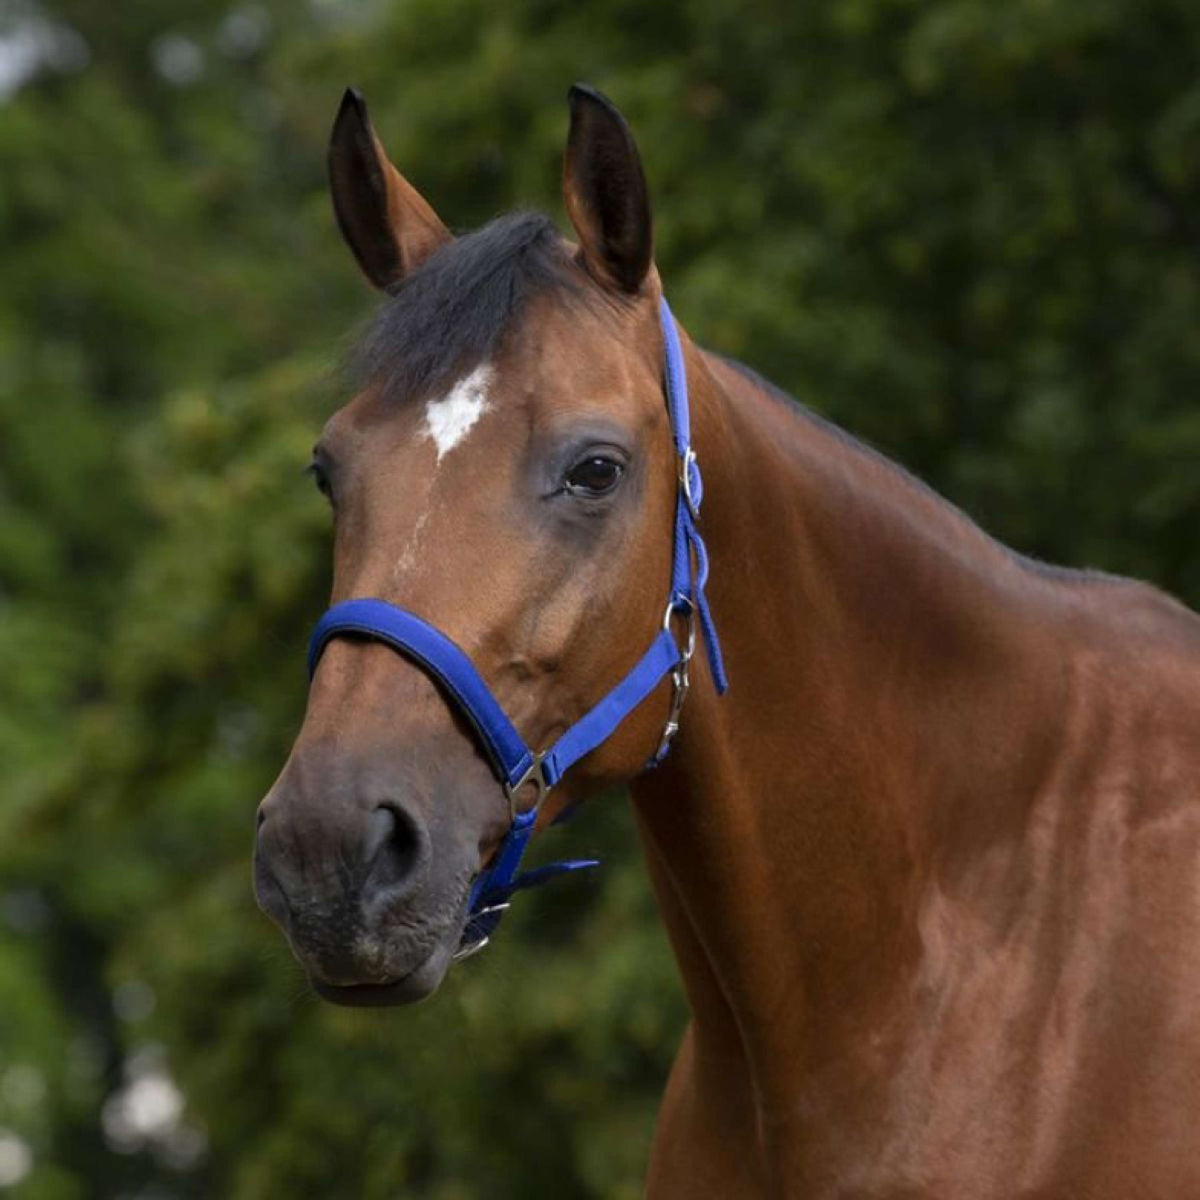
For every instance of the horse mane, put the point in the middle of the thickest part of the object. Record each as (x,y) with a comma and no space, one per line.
(1053,571)
(452,311)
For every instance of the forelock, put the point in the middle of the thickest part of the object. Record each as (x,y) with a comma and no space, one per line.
(453,311)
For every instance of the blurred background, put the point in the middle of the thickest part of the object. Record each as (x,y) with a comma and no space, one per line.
(967,231)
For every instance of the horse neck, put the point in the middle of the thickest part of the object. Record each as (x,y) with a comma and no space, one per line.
(793,828)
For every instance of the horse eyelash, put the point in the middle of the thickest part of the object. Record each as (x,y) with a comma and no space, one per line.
(317,472)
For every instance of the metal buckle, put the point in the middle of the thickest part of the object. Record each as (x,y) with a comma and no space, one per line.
(686,461)
(533,774)
(680,675)
(679,690)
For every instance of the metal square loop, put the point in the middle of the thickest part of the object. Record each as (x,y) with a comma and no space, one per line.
(534,774)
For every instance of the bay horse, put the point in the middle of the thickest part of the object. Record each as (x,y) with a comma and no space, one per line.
(930,868)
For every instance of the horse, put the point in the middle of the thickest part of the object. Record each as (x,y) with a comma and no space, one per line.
(930,867)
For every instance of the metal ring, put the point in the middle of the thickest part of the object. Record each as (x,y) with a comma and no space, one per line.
(689,614)
(534,774)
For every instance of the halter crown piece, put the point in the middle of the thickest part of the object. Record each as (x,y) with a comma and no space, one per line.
(516,766)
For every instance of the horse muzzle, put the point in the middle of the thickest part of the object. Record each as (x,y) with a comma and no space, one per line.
(351,882)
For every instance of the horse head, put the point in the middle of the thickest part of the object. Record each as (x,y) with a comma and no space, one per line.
(505,471)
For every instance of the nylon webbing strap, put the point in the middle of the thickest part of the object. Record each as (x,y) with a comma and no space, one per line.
(417,639)
(690,570)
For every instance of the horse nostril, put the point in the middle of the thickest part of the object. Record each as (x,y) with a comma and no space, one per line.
(381,824)
(391,847)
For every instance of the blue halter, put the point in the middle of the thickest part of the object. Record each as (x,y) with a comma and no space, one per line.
(514,763)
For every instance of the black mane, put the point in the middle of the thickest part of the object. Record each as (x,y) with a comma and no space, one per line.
(450,313)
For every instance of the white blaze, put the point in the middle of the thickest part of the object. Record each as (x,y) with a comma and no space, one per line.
(449,419)
(408,556)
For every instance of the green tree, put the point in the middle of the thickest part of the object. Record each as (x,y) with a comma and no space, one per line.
(966,231)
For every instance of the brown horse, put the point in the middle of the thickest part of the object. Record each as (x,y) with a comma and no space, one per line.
(931,868)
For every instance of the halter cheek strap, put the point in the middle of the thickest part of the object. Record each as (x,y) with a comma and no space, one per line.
(516,765)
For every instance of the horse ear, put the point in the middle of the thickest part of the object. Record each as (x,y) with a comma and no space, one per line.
(384,219)
(605,192)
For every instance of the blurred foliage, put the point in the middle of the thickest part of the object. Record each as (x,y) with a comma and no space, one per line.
(970,232)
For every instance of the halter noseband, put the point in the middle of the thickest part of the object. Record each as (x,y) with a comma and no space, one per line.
(514,763)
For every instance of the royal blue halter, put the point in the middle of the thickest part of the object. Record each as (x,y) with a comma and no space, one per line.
(513,761)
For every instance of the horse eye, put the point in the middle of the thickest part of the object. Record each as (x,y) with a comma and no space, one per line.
(594,476)
(317,471)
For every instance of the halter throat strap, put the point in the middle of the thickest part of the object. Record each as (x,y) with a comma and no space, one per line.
(517,766)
